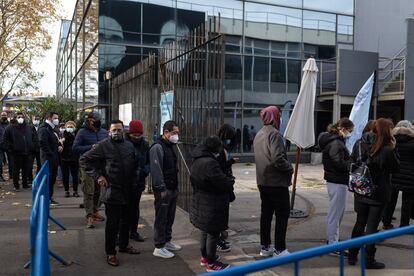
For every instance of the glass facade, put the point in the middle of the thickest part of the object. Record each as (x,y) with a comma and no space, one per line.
(267,42)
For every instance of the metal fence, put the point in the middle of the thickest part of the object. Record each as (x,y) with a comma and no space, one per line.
(193,69)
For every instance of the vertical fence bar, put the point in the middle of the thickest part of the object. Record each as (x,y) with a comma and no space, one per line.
(296,268)
(362,260)
(342,264)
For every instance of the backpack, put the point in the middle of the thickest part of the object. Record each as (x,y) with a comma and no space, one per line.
(360,180)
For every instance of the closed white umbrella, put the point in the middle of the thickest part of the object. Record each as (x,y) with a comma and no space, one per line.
(300,129)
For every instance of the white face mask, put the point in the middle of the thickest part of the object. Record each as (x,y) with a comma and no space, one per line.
(70,129)
(36,122)
(174,138)
(55,122)
(61,130)
(20,120)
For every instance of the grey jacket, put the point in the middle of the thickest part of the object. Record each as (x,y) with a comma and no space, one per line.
(272,166)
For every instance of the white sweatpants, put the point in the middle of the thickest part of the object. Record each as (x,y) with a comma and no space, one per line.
(337,203)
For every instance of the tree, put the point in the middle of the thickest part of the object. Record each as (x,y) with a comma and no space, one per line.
(65,110)
(24,37)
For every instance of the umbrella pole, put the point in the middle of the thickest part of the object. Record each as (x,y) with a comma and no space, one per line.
(293,212)
(295,178)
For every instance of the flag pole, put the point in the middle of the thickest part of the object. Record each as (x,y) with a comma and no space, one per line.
(295,178)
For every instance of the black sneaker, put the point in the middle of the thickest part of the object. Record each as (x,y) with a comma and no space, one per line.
(374,265)
(67,194)
(136,237)
(338,254)
(53,202)
(75,194)
(388,226)
(222,247)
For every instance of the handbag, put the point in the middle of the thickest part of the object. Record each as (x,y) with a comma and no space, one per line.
(360,180)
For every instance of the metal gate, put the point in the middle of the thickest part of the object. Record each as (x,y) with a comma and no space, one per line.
(192,68)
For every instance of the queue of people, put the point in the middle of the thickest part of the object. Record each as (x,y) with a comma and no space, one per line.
(112,167)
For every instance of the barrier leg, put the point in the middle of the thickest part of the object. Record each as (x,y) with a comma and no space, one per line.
(57,223)
(58,258)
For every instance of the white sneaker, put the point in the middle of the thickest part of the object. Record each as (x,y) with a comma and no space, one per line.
(267,252)
(172,246)
(163,253)
(280,254)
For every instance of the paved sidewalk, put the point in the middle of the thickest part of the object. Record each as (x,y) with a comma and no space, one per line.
(85,247)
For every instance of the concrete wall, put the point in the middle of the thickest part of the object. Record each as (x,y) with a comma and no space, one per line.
(380,25)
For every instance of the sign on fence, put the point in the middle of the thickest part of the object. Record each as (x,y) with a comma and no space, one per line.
(166,108)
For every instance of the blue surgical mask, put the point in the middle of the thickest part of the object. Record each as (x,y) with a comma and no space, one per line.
(227,142)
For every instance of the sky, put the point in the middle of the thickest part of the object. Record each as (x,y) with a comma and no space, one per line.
(47,65)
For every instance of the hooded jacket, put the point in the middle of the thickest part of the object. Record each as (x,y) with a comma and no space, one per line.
(209,210)
(381,166)
(404,179)
(335,158)
(273,169)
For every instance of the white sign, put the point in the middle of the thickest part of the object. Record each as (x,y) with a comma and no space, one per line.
(125,113)
(166,107)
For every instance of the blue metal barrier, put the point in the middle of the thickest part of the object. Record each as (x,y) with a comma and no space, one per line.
(39,248)
(298,256)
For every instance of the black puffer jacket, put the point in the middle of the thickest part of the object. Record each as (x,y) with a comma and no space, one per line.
(68,154)
(116,162)
(404,179)
(335,158)
(20,139)
(381,166)
(209,208)
(143,167)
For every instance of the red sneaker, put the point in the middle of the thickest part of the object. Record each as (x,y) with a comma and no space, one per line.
(204,262)
(217,266)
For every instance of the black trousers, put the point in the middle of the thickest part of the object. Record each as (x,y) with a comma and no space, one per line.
(20,163)
(10,163)
(72,168)
(52,177)
(116,222)
(134,211)
(406,208)
(390,207)
(275,201)
(368,219)
(33,157)
(164,217)
(208,245)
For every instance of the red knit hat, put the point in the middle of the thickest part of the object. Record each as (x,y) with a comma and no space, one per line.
(135,126)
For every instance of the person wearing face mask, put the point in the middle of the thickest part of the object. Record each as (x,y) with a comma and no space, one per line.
(3,151)
(209,209)
(69,160)
(273,176)
(136,136)
(164,175)
(112,164)
(36,154)
(87,137)
(336,162)
(50,149)
(20,142)
(227,135)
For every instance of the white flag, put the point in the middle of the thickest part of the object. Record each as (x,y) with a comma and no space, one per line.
(300,129)
(360,111)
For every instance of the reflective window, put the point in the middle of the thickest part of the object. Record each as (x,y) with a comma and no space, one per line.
(339,6)
(261,74)
(345,29)
(294,75)
(319,28)
(278,76)
(288,3)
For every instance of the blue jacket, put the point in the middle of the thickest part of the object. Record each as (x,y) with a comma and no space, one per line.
(86,137)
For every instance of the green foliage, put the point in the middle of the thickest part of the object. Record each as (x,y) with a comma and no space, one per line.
(65,110)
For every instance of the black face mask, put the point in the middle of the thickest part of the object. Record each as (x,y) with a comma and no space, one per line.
(4,119)
(136,140)
(97,124)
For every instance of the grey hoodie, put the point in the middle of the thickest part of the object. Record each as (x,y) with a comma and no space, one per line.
(272,166)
